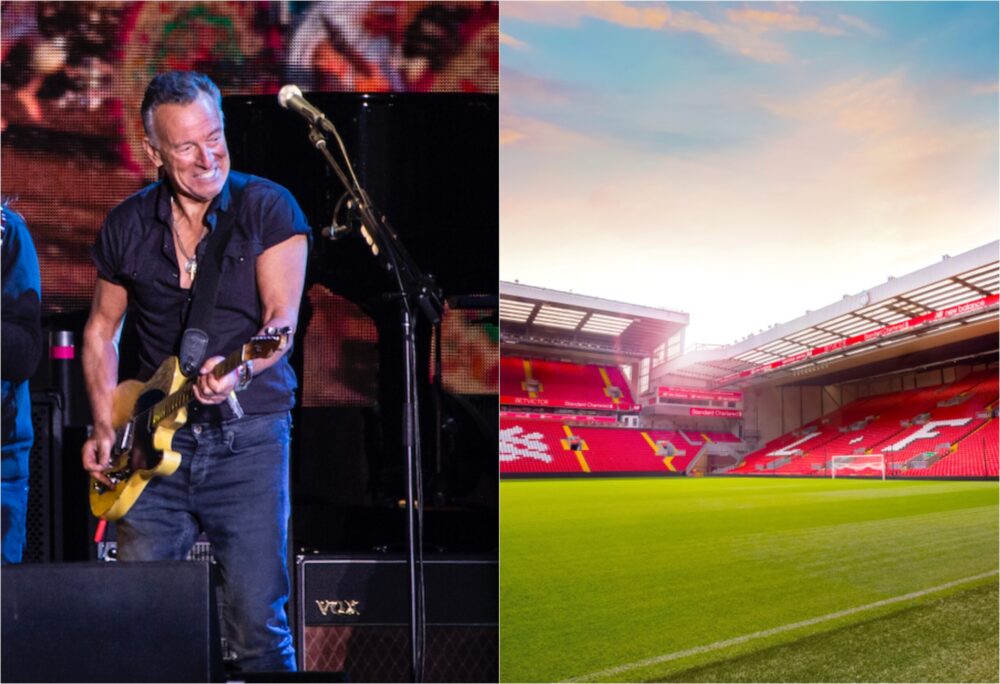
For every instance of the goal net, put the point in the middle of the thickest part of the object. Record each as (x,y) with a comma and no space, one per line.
(870,465)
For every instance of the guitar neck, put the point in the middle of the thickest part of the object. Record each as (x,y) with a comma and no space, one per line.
(182,397)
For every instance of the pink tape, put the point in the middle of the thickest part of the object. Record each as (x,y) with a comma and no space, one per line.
(62,353)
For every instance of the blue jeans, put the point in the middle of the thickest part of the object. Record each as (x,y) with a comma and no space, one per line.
(233,484)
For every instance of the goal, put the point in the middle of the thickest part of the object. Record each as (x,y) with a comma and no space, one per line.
(857,464)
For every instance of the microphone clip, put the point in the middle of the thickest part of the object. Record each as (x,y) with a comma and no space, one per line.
(345,220)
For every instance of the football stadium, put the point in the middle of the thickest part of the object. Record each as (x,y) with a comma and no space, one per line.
(816,502)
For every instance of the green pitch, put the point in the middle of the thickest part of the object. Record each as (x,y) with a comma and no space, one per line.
(739,579)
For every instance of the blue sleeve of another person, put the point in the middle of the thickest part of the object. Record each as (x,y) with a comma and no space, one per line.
(20,309)
(21,334)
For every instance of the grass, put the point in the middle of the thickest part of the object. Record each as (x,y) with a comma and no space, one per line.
(597,574)
(951,639)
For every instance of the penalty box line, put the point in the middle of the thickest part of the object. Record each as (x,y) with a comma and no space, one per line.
(718,645)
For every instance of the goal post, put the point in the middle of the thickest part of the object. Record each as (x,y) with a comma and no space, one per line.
(858,464)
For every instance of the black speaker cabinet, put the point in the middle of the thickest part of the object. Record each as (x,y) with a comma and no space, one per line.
(43,524)
(353,617)
(109,622)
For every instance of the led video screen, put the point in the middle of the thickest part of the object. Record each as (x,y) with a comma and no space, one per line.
(74,74)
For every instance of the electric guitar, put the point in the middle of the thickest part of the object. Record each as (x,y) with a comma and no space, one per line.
(145,417)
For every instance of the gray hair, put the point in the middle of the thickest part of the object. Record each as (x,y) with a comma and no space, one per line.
(176,87)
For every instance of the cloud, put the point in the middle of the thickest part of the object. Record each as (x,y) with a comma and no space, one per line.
(859,24)
(752,45)
(512,42)
(630,16)
(785,18)
(860,106)
(747,29)
(509,136)
(991,88)
(537,133)
(576,109)
(565,14)
(880,134)
(681,20)
(645,16)
(742,32)
(527,90)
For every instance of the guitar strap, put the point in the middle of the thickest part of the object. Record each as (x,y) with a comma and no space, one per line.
(194,343)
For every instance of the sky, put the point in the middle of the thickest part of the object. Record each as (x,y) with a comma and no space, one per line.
(743,162)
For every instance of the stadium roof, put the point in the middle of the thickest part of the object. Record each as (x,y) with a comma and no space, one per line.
(951,305)
(543,320)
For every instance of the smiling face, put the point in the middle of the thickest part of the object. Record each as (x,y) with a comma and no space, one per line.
(188,143)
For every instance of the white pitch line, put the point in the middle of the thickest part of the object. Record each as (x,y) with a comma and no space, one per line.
(611,671)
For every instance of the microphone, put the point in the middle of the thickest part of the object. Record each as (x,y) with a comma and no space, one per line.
(290,97)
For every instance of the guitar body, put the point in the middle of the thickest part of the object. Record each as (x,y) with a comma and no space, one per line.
(150,454)
(147,415)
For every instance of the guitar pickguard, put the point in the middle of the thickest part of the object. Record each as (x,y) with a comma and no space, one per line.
(142,455)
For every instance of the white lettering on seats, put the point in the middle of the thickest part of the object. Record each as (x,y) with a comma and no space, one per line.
(790,449)
(515,444)
(927,431)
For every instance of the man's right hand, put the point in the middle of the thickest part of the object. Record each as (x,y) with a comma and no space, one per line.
(97,454)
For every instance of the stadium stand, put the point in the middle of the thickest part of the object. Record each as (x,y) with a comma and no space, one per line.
(528,446)
(932,331)
(556,383)
(943,431)
(532,446)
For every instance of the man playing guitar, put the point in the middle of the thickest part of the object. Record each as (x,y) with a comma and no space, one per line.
(232,480)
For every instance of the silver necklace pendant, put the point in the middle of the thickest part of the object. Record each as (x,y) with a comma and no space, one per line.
(191,267)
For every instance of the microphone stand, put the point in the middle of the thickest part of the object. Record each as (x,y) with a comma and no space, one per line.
(413,285)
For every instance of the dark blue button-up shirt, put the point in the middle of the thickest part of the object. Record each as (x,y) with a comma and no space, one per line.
(135,249)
